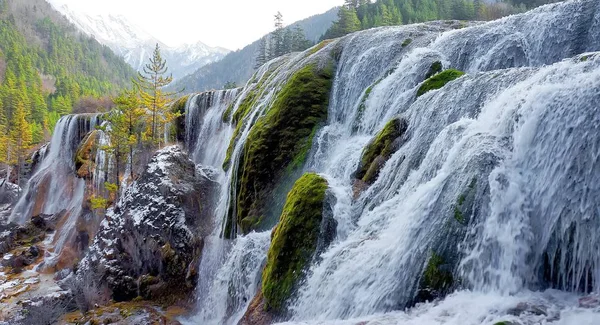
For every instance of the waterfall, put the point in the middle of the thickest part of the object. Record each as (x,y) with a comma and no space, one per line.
(206,134)
(53,188)
(516,138)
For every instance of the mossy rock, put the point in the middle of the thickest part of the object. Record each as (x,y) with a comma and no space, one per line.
(294,240)
(85,155)
(280,140)
(380,149)
(439,80)
(243,109)
(178,107)
(462,209)
(227,114)
(436,67)
(437,279)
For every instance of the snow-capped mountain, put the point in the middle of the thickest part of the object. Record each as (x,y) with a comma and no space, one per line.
(135,45)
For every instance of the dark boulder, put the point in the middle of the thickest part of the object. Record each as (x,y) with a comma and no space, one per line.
(149,245)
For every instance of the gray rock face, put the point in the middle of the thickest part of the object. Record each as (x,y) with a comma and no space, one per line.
(150,244)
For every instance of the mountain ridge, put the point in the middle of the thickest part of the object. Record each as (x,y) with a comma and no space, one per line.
(135,45)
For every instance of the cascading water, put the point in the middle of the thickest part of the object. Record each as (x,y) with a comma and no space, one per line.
(518,132)
(53,189)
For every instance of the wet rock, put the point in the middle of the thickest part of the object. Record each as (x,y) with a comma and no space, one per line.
(527,308)
(257,313)
(13,235)
(589,301)
(150,244)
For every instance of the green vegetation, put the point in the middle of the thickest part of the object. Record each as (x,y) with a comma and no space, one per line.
(436,67)
(84,155)
(47,69)
(294,240)
(435,277)
(244,108)
(364,14)
(281,139)
(227,114)
(178,107)
(439,80)
(320,46)
(459,209)
(381,146)
(281,41)
(406,42)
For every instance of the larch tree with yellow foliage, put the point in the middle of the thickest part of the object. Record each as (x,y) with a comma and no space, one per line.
(4,143)
(20,139)
(154,98)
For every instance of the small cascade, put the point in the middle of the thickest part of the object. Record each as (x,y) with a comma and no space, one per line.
(206,134)
(54,189)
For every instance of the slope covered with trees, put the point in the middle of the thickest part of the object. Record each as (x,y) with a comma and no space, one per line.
(46,69)
(357,15)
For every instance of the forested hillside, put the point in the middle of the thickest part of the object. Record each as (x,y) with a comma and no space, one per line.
(46,69)
(364,14)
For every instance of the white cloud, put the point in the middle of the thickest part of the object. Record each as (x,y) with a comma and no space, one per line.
(227,23)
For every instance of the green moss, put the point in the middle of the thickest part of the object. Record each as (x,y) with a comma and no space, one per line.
(406,42)
(227,114)
(459,209)
(585,58)
(381,146)
(281,139)
(242,111)
(84,156)
(435,277)
(363,105)
(439,80)
(502,323)
(179,105)
(320,46)
(458,215)
(294,240)
(436,67)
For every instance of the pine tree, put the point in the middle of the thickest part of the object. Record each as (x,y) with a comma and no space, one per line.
(348,21)
(278,37)
(262,55)
(151,84)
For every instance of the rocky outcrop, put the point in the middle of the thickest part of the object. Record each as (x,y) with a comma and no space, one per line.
(84,157)
(149,245)
(9,193)
(304,226)
(377,153)
(279,141)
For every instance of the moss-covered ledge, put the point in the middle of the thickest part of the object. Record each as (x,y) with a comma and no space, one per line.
(437,279)
(380,149)
(84,157)
(294,240)
(280,140)
(438,80)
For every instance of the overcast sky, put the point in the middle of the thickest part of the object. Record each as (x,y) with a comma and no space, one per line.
(228,23)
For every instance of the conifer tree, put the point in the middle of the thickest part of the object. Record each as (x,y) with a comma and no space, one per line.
(20,138)
(4,142)
(348,20)
(262,55)
(151,84)
(278,37)
(128,124)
